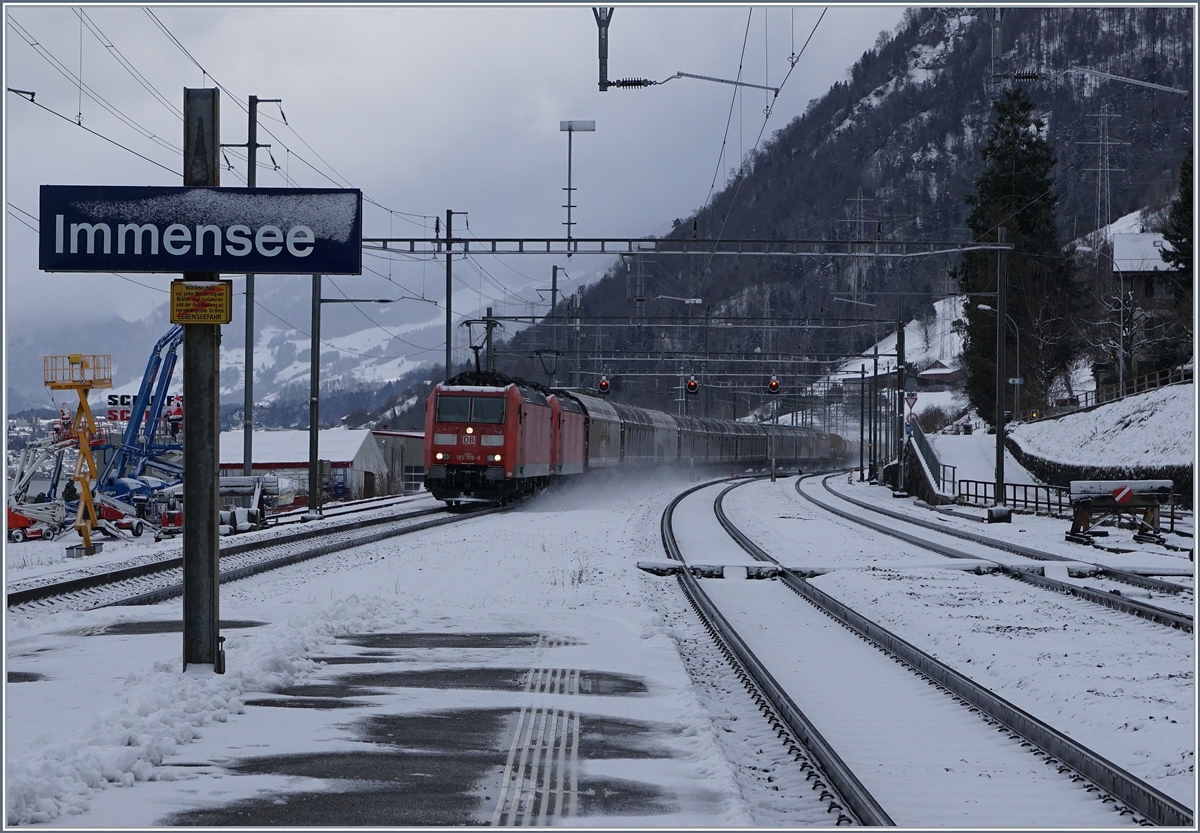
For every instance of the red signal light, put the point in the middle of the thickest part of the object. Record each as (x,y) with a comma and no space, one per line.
(603,387)
(692,386)
(773,385)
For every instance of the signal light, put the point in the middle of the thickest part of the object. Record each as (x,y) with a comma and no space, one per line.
(603,387)
(773,385)
(692,386)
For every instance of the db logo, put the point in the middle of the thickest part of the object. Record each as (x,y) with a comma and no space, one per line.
(468,439)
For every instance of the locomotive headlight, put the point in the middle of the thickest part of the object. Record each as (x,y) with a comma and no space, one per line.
(470,430)
(439,456)
(496,458)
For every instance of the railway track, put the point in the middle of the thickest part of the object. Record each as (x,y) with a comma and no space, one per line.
(883,735)
(155,581)
(1023,572)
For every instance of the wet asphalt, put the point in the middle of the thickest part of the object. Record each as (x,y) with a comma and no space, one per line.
(434,768)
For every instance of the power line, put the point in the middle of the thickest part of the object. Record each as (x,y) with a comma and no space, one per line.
(84,88)
(729,118)
(22,220)
(107,43)
(378,326)
(344,183)
(766,117)
(93,132)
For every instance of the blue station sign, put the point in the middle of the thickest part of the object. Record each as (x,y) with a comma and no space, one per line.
(304,231)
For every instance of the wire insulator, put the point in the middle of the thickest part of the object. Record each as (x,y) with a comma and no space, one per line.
(633,82)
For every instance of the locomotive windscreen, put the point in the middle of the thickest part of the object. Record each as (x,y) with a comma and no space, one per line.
(453,409)
(486,409)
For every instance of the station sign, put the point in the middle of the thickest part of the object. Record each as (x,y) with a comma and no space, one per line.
(288,231)
(201,302)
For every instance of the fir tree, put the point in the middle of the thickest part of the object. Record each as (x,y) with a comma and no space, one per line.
(1016,191)
(1176,347)
(1178,231)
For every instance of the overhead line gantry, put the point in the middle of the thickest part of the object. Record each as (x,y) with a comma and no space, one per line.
(432,246)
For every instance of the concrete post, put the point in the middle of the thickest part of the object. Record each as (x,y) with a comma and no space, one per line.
(201,391)
(314,400)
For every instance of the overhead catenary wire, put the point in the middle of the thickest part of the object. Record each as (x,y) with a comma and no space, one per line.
(107,43)
(22,220)
(340,181)
(378,326)
(86,89)
(29,97)
(766,118)
(337,180)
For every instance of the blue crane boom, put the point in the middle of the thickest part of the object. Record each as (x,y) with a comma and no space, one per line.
(135,452)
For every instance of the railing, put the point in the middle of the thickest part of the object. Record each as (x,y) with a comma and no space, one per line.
(949,474)
(1111,393)
(78,369)
(926,451)
(1042,500)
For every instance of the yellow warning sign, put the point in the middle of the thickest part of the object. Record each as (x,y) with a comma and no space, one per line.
(201,302)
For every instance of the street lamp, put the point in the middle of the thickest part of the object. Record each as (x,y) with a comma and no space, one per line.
(1121,314)
(314,390)
(1019,380)
(571,128)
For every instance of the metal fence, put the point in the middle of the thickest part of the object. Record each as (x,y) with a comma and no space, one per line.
(1111,393)
(1042,500)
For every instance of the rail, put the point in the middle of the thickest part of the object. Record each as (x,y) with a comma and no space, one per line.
(48,590)
(1115,601)
(1140,796)
(1041,500)
(858,800)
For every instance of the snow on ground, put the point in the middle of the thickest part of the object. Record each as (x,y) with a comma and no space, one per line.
(107,707)
(37,561)
(974,457)
(103,710)
(923,343)
(1157,428)
(1121,685)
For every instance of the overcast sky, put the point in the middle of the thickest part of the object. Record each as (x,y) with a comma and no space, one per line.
(424,109)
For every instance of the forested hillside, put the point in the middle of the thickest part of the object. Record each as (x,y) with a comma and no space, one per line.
(890,153)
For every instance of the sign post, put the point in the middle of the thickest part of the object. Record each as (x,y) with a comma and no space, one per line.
(200,230)
(201,390)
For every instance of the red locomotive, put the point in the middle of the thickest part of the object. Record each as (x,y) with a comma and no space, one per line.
(492,438)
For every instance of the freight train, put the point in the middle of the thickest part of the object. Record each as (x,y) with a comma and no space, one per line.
(490,438)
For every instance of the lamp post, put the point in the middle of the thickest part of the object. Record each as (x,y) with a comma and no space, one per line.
(314,390)
(1019,381)
(1121,316)
(1000,512)
(571,128)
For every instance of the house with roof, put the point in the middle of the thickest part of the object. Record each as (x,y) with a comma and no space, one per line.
(1137,261)
(940,376)
(356,465)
